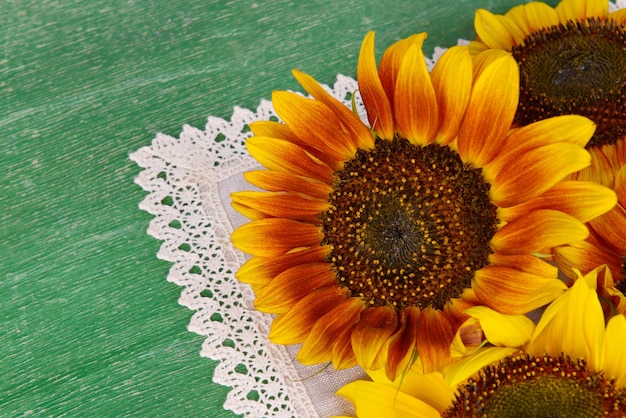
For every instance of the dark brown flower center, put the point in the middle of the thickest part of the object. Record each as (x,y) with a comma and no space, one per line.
(526,386)
(575,68)
(408,225)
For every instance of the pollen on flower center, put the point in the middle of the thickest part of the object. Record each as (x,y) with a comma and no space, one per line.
(526,386)
(408,225)
(575,68)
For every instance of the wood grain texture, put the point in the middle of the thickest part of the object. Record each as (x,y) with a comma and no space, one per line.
(89,325)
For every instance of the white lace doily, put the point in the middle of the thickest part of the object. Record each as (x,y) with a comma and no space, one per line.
(189,181)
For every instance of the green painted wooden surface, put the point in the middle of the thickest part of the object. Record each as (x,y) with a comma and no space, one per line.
(88,324)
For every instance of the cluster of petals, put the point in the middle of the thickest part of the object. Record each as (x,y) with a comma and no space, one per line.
(465,104)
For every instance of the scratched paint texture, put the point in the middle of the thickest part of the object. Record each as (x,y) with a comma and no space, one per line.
(88,324)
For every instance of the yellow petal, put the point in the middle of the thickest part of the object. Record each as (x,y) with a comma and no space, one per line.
(371,334)
(503,330)
(275,236)
(581,9)
(376,101)
(468,366)
(493,31)
(614,365)
(533,16)
(415,103)
(491,109)
(452,81)
(375,400)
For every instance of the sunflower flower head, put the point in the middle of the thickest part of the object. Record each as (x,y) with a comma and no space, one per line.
(571,362)
(572,60)
(370,242)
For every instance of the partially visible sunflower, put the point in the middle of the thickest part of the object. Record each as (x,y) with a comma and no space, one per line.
(369,243)
(571,363)
(572,60)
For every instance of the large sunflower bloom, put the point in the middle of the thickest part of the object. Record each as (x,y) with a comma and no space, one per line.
(369,243)
(571,363)
(572,60)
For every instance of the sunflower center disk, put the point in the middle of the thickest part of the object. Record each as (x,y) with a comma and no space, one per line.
(408,225)
(537,387)
(576,68)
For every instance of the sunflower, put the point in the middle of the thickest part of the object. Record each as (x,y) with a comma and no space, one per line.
(570,362)
(369,242)
(572,60)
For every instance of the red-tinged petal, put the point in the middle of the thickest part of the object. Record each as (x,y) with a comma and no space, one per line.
(536,171)
(371,335)
(493,31)
(376,101)
(318,346)
(491,109)
(452,81)
(292,285)
(602,169)
(303,116)
(294,326)
(258,271)
(349,121)
(275,181)
(343,356)
(391,62)
(281,205)
(580,199)
(514,292)
(585,257)
(402,347)
(275,236)
(537,231)
(285,157)
(620,186)
(415,103)
(434,339)
(612,228)
(525,262)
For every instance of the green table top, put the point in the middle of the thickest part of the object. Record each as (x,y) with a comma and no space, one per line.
(89,324)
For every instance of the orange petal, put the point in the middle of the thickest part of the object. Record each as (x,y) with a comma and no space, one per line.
(258,271)
(294,326)
(580,199)
(343,355)
(292,285)
(274,129)
(620,185)
(285,157)
(402,347)
(349,121)
(434,339)
(318,346)
(281,205)
(514,292)
(536,171)
(415,103)
(275,181)
(611,227)
(452,81)
(391,62)
(275,236)
(537,232)
(568,128)
(376,101)
(491,109)
(525,262)
(371,334)
(316,124)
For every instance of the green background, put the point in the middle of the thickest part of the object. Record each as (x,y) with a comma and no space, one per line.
(89,326)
